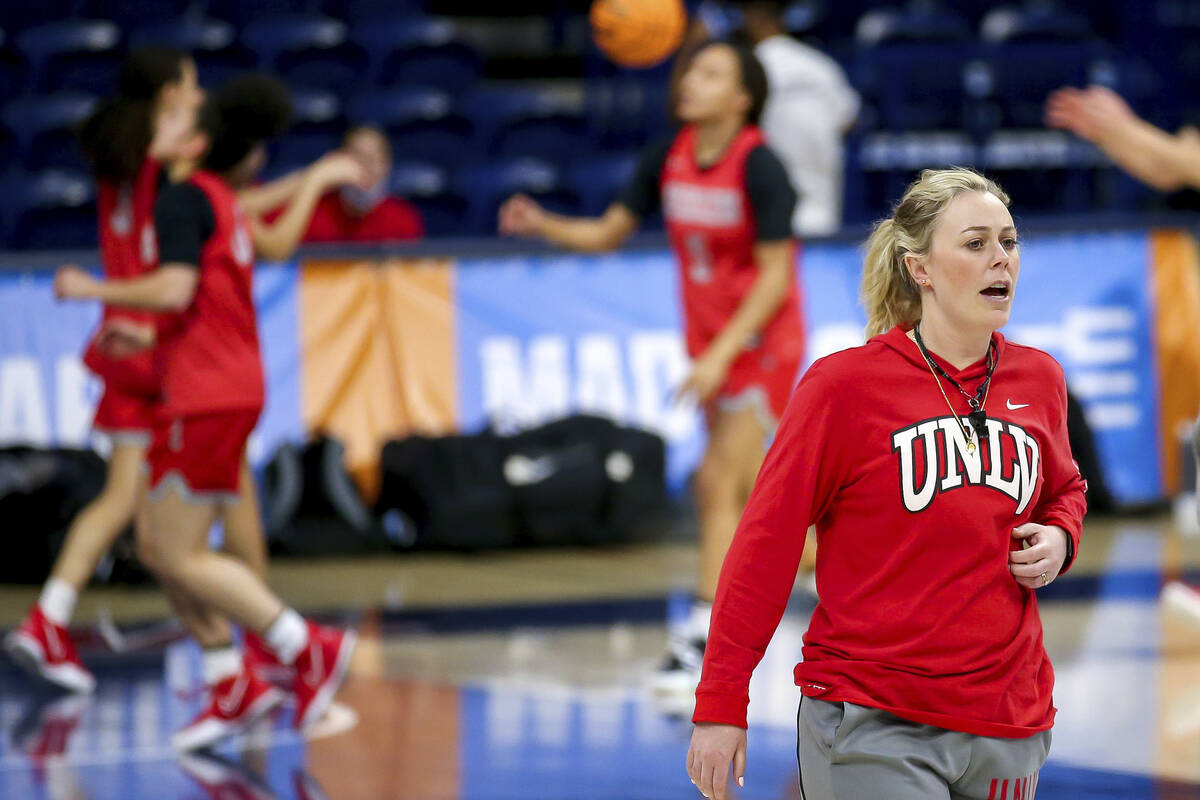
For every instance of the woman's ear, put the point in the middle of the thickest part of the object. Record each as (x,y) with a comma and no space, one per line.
(916,269)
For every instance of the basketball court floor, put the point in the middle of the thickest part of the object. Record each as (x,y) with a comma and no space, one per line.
(524,675)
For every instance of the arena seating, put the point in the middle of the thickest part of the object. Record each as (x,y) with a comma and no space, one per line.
(958,79)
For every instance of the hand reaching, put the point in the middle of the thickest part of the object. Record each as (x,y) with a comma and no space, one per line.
(72,283)
(122,338)
(521,216)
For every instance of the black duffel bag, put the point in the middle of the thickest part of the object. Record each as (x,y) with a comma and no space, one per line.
(585,480)
(41,491)
(311,505)
(446,492)
(578,480)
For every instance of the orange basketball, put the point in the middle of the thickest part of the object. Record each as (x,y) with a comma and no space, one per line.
(638,33)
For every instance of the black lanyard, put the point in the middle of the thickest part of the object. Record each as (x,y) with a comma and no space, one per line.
(978,415)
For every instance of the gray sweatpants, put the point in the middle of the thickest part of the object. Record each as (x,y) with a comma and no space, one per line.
(851,752)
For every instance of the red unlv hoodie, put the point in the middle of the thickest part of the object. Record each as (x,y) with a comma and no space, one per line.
(919,614)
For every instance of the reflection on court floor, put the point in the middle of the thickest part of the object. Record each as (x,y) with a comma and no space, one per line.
(548,700)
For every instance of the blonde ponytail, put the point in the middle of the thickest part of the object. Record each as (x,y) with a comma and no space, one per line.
(889,294)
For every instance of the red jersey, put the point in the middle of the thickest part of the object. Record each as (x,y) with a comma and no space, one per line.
(128,248)
(392,220)
(711,226)
(918,612)
(209,354)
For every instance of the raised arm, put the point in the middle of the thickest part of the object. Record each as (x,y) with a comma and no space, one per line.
(266,197)
(522,216)
(1157,158)
(279,239)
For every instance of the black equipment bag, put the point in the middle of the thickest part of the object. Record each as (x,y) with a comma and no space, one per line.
(578,480)
(312,506)
(41,491)
(446,492)
(585,480)
(1083,448)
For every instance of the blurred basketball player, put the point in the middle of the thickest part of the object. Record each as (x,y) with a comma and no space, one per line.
(728,207)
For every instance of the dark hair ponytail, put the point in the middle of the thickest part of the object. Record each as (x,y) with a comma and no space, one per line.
(246,112)
(147,70)
(116,135)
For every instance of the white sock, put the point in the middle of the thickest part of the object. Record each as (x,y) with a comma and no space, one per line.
(220,663)
(57,601)
(287,635)
(698,619)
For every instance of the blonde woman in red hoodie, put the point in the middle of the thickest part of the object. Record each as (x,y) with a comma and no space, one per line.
(935,465)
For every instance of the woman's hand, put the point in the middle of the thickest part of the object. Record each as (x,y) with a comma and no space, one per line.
(122,338)
(714,749)
(707,375)
(1042,559)
(1088,113)
(73,283)
(338,168)
(521,216)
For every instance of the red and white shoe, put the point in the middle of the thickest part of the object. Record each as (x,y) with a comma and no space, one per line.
(320,669)
(262,661)
(46,731)
(45,650)
(233,704)
(222,779)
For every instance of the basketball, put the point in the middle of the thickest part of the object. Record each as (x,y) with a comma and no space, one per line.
(638,33)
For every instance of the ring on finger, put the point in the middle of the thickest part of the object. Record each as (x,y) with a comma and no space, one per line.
(1044,580)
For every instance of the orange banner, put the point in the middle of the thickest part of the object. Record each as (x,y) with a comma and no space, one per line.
(1176,277)
(377,355)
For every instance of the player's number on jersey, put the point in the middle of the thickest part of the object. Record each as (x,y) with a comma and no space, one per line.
(700,268)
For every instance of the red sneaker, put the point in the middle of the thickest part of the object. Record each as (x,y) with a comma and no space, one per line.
(45,650)
(320,669)
(47,731)
(222,779)
(233,704)
(262,661)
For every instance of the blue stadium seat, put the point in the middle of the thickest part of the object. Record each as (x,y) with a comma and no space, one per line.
(613,112)
(44,127)
(599,181)
(307,49)
(242,13)
(190,34)
(1034,23)
(16,16)
(317,128)
(535,123)
(426,186)
(488,185)
(49,210)
(910,63)
(212,43)
(1031,52)
(422,123)
(81,51)
(12,68)
(422,52)
(354,10)
(917,23)
(914,85)
(131,13)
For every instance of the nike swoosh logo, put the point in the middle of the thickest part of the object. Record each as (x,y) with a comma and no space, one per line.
(317,668)
(1014,406)
(228,705)
(56,649)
